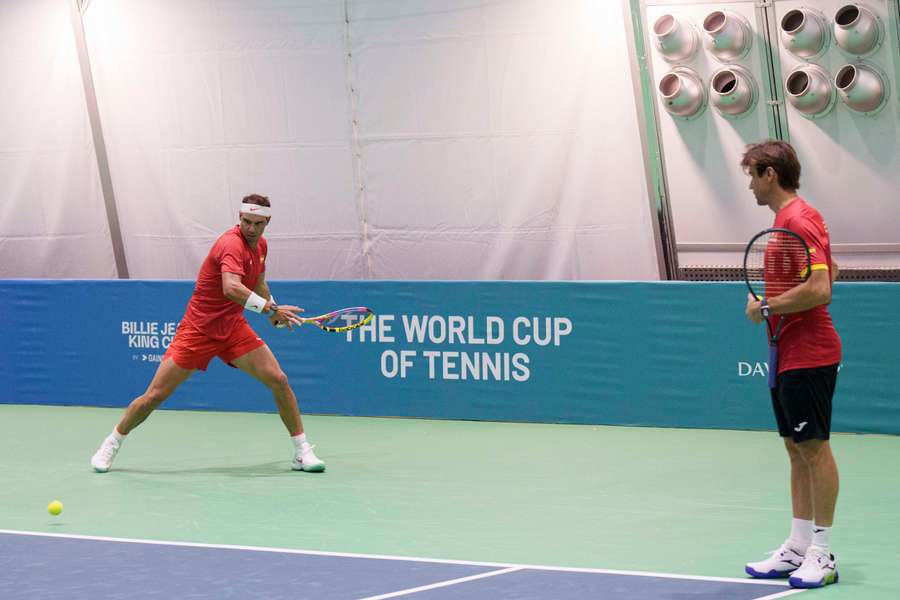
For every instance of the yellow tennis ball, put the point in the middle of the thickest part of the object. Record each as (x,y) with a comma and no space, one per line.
(55,507)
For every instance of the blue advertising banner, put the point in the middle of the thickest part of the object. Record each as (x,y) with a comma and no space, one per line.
(668,354)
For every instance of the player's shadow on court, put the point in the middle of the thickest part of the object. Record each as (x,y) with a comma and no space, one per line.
(269,469)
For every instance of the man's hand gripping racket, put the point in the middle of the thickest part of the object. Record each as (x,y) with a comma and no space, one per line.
(335,321)
(286,315)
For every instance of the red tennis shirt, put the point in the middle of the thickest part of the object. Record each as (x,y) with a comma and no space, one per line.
(808,339)
(209,310)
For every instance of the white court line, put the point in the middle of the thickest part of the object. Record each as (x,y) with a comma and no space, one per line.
(400,558)
(441,584)
(790,592)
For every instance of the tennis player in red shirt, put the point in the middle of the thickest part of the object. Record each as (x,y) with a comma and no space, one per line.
(231,280)
(809,351)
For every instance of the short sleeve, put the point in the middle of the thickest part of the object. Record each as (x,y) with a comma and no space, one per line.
(230,256)
(816,238)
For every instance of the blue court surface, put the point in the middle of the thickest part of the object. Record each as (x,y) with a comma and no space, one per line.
(47,566)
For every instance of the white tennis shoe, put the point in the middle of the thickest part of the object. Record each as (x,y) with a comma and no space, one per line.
(780,564)
(818,570)
(306,460)
(103,457)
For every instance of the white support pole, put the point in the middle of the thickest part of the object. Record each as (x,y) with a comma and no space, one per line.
(90,96)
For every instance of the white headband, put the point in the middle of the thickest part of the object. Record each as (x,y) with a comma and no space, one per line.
(256,209)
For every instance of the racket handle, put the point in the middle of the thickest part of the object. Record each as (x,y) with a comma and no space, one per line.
(773,365)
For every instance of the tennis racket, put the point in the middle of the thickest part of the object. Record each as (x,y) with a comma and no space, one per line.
(336,321)
(775,261)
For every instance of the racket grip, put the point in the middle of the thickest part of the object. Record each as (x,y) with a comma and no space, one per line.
(773,365)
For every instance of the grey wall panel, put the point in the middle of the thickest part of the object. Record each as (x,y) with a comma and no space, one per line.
(849,157)
(851,160)
(708,191)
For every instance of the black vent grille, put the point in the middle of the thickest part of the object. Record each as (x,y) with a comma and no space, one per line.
(736,274)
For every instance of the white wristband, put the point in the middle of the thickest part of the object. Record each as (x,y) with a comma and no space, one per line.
(255,302)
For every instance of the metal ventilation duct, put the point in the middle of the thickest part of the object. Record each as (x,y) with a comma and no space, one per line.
(675,38)
(808,89)
(728,35)
(804,32)
(682,93)
(857,30)
(861,87)
(732,91)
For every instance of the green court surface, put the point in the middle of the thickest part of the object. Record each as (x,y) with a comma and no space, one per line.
(692,502)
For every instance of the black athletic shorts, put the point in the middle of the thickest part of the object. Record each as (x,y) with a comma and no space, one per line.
(802,402)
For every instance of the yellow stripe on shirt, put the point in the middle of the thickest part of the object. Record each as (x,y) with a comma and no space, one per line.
(815,267)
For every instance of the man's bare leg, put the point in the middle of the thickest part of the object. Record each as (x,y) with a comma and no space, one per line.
(166,380)
(823,475)
(801,483)
(262,364)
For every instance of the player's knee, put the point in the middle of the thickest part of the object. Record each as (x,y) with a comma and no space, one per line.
(792,449)
(154,397)
(276,379)
(811,451)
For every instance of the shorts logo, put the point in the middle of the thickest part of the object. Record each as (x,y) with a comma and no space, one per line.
(800,427)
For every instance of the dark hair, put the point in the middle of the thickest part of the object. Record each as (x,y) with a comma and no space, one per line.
(256,199)
(778,155)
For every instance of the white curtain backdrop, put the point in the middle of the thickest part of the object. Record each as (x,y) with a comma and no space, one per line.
(397,139)
(52,217)
(499,140)
(204,102)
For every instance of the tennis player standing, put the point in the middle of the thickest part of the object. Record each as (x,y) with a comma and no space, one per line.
(809,352)
(231,280)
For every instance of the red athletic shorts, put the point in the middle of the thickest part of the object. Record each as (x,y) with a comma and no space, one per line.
(192,349)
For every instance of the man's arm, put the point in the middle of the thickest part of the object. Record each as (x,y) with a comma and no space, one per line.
(811,293)
(834,271)
(237,292)
(262,288)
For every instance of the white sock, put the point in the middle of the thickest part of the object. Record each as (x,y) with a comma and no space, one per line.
(821,536)
(801,534)
(119,437)
(299,440)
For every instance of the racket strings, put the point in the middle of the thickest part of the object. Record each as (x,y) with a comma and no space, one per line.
(345,318)
(777,262)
